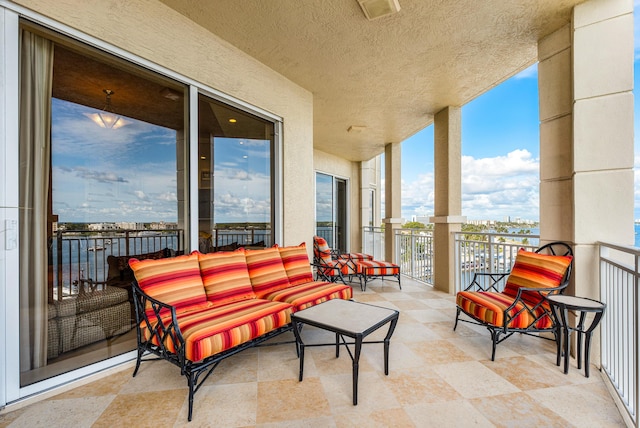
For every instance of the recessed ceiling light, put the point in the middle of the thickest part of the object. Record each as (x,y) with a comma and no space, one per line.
(232,120)
(356,128)
(374,9)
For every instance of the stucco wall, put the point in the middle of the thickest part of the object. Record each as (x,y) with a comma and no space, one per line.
(151,30)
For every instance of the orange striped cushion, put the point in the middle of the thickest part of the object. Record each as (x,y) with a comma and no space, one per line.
(535,270)
(175,281)
(322,250)
(377,268)
(489,307)
(356,256)
(211,331)
(225,277)
(311,293)
(296,264)
(266,271)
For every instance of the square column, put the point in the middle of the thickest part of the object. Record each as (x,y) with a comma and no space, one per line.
(392,198)
(585,79)
(448,195)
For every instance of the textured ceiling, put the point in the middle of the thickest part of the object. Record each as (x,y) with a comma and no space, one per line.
(390,75)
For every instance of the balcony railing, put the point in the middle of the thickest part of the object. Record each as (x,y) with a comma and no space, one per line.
(373,242)
(487,252)
(619,282)
(474,252)
(78,255)
(414,249)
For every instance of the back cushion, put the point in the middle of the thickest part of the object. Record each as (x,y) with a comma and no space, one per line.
(321,249)
(225,277)
(296,264)
(536,270)
(175,281)
(266,271)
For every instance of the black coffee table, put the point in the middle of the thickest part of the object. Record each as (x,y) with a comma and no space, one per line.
(346,318)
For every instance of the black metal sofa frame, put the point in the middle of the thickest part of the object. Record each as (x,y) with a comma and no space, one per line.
(169,333)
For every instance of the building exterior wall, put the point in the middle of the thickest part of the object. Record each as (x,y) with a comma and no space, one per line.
(171,40)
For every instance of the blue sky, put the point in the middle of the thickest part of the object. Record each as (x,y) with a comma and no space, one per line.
(500,152)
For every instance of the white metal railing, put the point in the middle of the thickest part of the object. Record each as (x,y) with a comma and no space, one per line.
(619,281)
(487,252)
(373,242)
(474,252)
(414,253)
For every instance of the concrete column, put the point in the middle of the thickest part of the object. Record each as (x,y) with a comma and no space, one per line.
(448,194)
(392,198)
(586,136)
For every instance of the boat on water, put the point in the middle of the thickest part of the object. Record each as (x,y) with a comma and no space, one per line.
(97,248)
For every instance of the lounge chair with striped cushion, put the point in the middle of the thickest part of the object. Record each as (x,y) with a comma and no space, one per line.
(332,265)
(515,302)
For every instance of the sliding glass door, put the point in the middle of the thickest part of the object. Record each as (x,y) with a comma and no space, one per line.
(331,210)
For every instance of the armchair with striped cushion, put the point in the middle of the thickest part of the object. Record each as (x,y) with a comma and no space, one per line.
(518,304)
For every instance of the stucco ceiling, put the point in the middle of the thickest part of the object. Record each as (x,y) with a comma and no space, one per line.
(390,75)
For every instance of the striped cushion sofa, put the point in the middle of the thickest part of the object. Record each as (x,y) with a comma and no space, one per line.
(196,310)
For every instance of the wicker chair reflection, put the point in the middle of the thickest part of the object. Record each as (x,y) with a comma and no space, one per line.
(515,302)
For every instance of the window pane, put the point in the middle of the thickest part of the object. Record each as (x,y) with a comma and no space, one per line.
(110,192)
(324,207)
(236,185)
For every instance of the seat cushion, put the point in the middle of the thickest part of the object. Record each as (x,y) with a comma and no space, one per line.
(489,307)
(311,293)
(225,277)
(537,271)
(356,256)
(175,281)
(266,271)
(209,331)
(296,264)
(377,268)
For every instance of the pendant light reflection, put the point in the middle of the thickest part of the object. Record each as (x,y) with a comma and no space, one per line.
(107,118)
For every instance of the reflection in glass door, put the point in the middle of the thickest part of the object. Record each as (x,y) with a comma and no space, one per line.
(331,210)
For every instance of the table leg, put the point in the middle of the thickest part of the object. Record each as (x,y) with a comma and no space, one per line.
(587,342)
(580,333)
(566,338)
(356,366)
(387,338)
(557,333)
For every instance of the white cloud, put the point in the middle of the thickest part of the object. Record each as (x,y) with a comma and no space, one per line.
(528,73)
(492,188)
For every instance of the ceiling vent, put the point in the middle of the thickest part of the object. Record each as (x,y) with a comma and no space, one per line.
(374,9)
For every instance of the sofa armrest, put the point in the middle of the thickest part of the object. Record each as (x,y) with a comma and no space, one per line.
(484,281)
(156,331)
(88,285)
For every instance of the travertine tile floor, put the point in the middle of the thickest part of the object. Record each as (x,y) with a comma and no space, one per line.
(438,378)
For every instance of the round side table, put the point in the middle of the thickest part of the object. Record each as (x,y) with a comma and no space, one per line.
(561,305)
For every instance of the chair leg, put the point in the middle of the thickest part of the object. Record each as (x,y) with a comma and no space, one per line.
(494,342)
(457,315)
